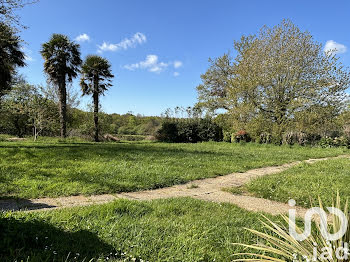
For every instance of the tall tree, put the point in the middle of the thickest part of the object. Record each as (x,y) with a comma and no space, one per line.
(276,74)
(62,63)
(213,93)
(11,56)
(95,80)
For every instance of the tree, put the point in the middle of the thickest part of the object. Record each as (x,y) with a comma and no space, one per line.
(15,108)
(11,57)
(95,80)
(62,63)
(214,90)
(276,74)
(40,114)
(8,8)
(26,109)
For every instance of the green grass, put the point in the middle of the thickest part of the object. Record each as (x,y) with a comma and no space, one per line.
(50,168)
(305,182)
(180,229)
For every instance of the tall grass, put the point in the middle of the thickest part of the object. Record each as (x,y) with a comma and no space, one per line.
(51,168)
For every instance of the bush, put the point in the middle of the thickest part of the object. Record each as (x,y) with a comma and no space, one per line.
(189,131)
(265,138)
(334,142)
(168,132)
(242,136)
(227,137)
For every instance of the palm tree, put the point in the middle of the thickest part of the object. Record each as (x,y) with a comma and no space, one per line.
(11,56)
(95,80)
(62,62)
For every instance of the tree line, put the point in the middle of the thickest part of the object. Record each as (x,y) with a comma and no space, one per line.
(281,85)
(29,110)
(62,63)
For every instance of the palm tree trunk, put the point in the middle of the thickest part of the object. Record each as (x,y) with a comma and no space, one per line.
(96,104)
(63,108)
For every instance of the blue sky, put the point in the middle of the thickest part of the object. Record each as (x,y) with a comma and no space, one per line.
(159,48)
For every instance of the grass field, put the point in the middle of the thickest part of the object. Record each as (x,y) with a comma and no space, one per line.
(50,168)
(163,230)
(180,229)
(305,182)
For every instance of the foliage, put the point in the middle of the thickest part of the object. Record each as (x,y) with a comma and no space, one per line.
(300,138)
(11,55)
(281,80)
(226,136)
(26,111)
(40,115)
(189,130)
(334,142)
(96,75)
(61,64)
(8,8)
(168,132)
(95,80)
(242,136)
(264,138)
(213,93)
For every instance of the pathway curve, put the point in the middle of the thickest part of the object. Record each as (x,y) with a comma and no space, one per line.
(209,189)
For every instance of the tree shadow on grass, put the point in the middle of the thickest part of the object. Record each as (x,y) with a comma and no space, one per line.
(108,149)
(9,203)
(36,240)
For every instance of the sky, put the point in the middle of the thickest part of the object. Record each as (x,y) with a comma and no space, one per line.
(159,48)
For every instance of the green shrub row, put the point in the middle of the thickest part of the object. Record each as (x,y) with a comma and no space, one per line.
(189,131)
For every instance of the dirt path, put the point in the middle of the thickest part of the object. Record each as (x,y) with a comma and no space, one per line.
(209,189)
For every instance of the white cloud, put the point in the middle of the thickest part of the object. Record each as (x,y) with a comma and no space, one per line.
(27,54)
(151,64)
(336,47)
(136,39)
(177,64)
(82,38)
(28,58)
(176,74)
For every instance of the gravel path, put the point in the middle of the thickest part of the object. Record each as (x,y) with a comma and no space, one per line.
(209,189)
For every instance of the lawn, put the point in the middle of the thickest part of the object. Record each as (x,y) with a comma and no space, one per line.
(305,182)
(51,168)
(180,229)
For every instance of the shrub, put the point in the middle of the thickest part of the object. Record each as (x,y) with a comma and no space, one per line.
(300,138)
(347,131)
(227,137)
(209,131)
(242,136)
(189,131)
(314,139)
(334,142)
(168,132)
(291,138)
(265,138)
